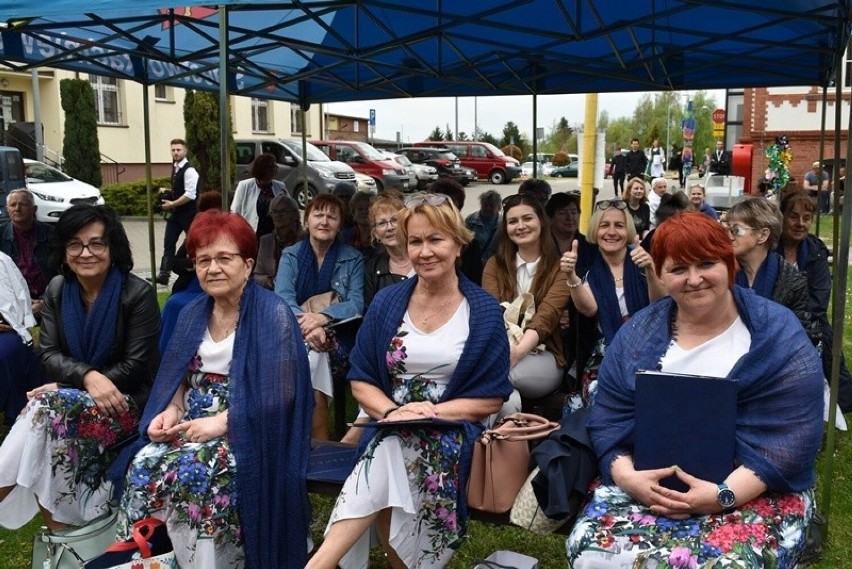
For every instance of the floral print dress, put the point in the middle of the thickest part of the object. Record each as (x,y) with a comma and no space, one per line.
(412,470)
(192,486)
(57,454)
(615,531)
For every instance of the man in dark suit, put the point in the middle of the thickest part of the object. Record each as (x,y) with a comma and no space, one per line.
(618,171)
(635,161)
(180,201)
(720,160)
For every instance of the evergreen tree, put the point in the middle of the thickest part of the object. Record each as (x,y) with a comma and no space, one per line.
(201,123)
(80,147)
(437,134)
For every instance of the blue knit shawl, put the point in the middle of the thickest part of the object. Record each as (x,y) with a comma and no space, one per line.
(779,391)
(91,336)
(312,281)
(765,278)
(482,370)
(603,287)
(269,419)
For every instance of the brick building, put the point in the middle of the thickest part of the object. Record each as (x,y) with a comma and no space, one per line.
(795,111)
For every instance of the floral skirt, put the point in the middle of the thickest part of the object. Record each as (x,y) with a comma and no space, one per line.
(190,486)
(57,454)
(615,531)
(415,473)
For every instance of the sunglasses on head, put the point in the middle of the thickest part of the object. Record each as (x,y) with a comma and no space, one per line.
(421,198)
(606,204)
(515,199)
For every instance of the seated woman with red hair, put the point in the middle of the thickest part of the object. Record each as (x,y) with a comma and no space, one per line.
(759,515)
(221,401)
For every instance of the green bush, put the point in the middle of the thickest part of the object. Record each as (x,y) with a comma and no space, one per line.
(128,198)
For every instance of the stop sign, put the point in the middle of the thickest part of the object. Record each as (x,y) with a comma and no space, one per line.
(719,116)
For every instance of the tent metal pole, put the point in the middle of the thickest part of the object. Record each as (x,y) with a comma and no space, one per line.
(149,191)
(224,115)
(822,155)
(534,137)
(841,270)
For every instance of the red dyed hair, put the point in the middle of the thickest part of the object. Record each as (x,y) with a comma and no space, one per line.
(692,237)
(209,226)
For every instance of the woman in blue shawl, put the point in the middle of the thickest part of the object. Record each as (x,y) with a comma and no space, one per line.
(322,280)
(227,425)
(617,285)
(759,515)
(99,345)
(433,346)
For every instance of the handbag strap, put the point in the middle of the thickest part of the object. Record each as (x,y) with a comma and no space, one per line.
(520,427)
(142,531)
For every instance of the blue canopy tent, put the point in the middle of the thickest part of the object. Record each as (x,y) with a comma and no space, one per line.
(312,51)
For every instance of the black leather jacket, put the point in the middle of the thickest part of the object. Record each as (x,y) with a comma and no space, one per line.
(133,362)
(791,290)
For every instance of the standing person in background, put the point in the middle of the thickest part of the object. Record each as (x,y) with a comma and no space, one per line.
(816,185)
(254,195)
(180,203)
(659,187)
(657,158)
(484,223)
(635,162)
(720,160)
(698,203)
(26,241)
(676,164)
(619,171)
(704,166)
(359,236)
(284,212)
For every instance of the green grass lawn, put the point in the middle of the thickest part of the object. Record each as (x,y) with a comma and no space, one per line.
(16,546)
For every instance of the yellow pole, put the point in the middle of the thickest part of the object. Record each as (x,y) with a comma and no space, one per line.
(587,167)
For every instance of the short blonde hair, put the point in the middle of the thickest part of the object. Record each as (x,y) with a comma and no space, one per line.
(595,224)
(444,217)
(389,201)
(635,180)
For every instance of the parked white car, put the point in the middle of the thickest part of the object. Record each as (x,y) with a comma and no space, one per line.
(365,183)
(544,169)
(55,191)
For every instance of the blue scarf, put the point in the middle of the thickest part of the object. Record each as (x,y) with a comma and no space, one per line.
(603,287)
(766,277)
(803,253)
(269,420)
(482,370)
(91,336)
(312,281)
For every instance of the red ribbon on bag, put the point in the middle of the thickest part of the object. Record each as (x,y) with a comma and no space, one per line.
(141,533)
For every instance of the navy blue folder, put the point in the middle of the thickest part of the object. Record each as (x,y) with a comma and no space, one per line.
(685,420)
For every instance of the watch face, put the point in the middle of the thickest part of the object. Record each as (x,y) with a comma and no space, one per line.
(726,498)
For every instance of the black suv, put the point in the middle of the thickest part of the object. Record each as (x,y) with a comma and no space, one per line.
(443,160)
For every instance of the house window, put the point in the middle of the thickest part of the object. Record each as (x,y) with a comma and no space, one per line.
(356,126)
(259,115)
(107,101)
(164,93)
(297,125)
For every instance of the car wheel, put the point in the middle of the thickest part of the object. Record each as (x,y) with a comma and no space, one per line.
(497,177)
(305,195)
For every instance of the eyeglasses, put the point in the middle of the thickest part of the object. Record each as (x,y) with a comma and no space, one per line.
(738,230)
(222,259)
(421,198)
(606,204)
(382,225)
(95,247)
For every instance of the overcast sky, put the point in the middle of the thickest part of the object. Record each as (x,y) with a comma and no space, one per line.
(414,119)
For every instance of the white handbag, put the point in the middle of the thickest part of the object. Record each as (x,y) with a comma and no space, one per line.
(70,549)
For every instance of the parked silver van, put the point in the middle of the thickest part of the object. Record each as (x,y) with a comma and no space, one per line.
(322,174)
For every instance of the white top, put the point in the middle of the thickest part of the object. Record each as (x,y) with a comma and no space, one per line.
(216,356)
(435,355)
(715,357)
(653,204)
(622,301)
(15,307)
(190,180)
(245,199)
(525,272)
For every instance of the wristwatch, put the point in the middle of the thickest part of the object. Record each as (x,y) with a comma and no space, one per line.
(726,497)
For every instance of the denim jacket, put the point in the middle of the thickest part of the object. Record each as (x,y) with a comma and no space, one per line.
(347,281)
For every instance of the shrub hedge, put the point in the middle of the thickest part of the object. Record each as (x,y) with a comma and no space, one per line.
(128,198)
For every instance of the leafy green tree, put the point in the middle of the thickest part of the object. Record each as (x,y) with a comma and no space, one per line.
(619,132)
(437,134)
(449,135)
(201,123)
(80,146)
(462,135)
(490,138)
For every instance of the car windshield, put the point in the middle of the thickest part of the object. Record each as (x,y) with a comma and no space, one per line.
(314,153)
(37,172)
(448,156)
(370,152)
(494,150)
(402,160)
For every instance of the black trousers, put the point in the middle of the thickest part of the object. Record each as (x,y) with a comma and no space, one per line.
(175,225)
